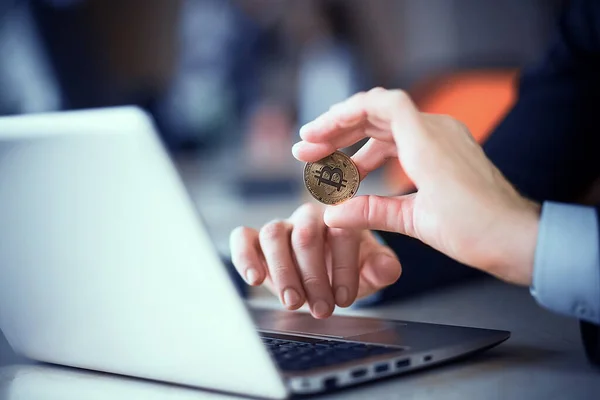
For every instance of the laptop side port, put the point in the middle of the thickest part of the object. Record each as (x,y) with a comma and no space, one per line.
(359,373)
(403,363)
(330,383)
(381,368)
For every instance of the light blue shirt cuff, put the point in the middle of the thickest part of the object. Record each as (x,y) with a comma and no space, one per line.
(566,272)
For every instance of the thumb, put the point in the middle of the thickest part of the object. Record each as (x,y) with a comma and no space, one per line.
(392,214)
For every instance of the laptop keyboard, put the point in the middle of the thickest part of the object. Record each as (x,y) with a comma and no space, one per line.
(293,355)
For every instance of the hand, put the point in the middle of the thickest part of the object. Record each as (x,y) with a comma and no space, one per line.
(463,206)
(301,259)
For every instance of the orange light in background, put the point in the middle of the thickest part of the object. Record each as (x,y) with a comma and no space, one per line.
(480,99)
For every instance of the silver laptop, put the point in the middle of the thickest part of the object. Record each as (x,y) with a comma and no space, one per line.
(105,265)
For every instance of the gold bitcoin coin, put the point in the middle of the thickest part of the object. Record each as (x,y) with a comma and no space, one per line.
(333,179)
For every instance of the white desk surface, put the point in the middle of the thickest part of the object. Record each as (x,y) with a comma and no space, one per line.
(542,360)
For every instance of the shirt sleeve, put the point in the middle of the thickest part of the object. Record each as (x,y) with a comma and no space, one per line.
(566,274)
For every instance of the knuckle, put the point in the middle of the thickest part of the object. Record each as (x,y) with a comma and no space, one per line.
(345,269)
(380,214)
(377,89)
(305,236)
(400,97)
(339,233)
(406,213)
(448,118)
(311,282)
(280,272)
(451,123)
(240,231)
(370,209)
(459,125)
(308,209)
(358,97)
(273,230)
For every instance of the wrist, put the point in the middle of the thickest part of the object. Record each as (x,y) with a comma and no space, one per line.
(516,252)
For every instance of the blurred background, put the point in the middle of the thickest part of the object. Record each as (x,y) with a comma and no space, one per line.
(229,82)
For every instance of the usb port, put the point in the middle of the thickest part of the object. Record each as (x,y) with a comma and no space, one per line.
(330,383)
(381,368)
(359,373)
(403,363)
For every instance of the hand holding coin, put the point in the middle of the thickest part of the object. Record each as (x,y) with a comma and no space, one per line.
(464,207)
(333,179)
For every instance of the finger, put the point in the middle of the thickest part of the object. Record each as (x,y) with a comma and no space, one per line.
(311,152)
(308,237)
(392,214)
(391,116)
(268,282)
(345,114)
(344,244)
(345,135)
(336,118)
(274,240)
(362,115)
(339,106)
(246,255)
(379,266)
(373,155)
(378,106)
(379,271)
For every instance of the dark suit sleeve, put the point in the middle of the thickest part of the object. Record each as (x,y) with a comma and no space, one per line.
(548,145)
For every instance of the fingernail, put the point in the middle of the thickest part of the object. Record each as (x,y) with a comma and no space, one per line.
(296,147)
(252,276)
(341,295)
(291,297)
(304,128)
(321,308)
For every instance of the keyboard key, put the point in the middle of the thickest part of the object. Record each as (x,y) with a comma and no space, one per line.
(301,356)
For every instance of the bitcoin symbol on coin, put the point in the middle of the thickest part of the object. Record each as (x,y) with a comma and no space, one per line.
(332,179)
(331,176)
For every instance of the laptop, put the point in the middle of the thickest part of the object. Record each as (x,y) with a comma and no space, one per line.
(105,265)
